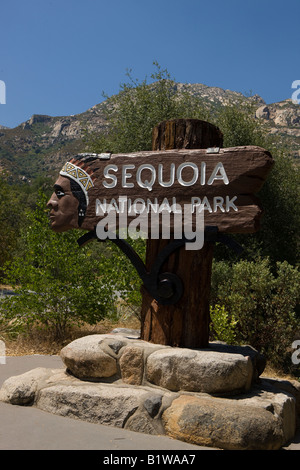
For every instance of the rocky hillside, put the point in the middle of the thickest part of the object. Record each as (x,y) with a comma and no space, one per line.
(41,144)
(283,119)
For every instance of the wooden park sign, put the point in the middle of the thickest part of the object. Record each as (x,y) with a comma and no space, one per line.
(187,173)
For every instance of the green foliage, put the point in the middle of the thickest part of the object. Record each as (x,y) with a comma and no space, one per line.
(278,238)
(138,108)
(122,275)
(239,126)
(263,303)
(58,283)
(10,221)
(279,235)
(222,326)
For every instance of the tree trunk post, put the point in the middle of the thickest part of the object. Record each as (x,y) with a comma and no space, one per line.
(186,323)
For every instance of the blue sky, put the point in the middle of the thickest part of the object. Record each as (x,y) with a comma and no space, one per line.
(58,56)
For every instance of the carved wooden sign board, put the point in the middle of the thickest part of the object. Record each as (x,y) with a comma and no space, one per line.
(222,182)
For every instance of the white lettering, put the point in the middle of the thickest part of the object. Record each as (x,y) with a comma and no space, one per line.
(214,176)
(230,205)
(101,208)
(177,225)
(139,205)
(165,206)
(126,175)
(123,217)
(205,205)
(218,203)
(114,460)
(146,184)
(138,227)
(152,206)
(195,175)
(166,459)
(176,209)
(113,206)
(112,177)
(123,204)
(172,176)
(218,174)
(203,173)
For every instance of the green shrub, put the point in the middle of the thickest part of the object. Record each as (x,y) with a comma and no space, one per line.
(58,284)
(223,325)
(263,303)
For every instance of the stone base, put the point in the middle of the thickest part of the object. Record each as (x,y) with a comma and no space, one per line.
(219,369)
(124,382)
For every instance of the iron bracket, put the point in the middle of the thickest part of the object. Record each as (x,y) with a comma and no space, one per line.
(165,287)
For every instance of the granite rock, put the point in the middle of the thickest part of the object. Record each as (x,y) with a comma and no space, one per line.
(223,423)
(199,371)
(87,359)
(263,418)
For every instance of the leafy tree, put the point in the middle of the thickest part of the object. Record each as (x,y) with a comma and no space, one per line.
(58,284)
(279,234)
(239,126)
(139,107)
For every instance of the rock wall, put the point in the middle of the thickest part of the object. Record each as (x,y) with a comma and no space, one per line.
(212,397)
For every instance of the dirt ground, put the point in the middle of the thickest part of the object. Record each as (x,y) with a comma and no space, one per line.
(40,341)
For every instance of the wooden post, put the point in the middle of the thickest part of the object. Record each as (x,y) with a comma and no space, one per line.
(186,323)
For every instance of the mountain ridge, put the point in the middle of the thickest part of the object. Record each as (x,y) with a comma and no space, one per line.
(42,144)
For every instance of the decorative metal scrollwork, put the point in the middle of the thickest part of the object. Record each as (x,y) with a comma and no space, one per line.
(165,287)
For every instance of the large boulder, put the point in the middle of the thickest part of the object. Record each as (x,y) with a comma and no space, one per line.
(200,371)
(226,424)
(87,359)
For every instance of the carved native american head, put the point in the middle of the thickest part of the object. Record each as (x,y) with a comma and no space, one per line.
(70,200)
